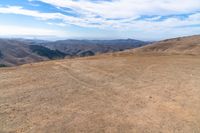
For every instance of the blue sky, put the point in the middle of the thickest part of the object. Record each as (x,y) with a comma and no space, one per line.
(99,19)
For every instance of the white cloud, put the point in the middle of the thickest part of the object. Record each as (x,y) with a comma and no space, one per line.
(103,23)
(123,13)
(33,13)
(21,11)
(57,24)
(128,8)
(84,22)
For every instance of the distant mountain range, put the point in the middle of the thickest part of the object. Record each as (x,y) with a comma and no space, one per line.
(21,51)
(92,47)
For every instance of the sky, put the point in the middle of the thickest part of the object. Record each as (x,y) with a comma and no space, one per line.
(99,19)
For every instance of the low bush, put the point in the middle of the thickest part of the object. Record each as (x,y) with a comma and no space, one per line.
(46,52)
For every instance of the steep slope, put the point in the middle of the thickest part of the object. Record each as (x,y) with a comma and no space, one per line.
(15,52)
(182,45)
(45,52)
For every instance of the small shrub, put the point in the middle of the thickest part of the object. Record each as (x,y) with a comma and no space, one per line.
(46,52)
(3,65)
(1,55)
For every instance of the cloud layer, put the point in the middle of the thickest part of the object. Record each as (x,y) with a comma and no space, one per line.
(127,8)
(138,15)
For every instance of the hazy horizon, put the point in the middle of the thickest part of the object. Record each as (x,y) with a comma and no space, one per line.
(48,38)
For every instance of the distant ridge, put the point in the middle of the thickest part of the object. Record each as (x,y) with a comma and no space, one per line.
(22,51)
(78,47)
(14,52)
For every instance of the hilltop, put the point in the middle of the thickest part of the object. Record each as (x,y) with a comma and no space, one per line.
(120,92)
(182,45)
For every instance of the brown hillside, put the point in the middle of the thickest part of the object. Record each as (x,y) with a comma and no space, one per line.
(182,45)
(108,93)
(16,53)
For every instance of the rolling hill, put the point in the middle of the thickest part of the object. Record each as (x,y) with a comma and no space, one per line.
(93,47)
(130,92)
(182,45)
(15,52)
(21,51)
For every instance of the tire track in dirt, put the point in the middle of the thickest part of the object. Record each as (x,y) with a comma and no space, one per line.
(98,90)
(89,67)
(75,78)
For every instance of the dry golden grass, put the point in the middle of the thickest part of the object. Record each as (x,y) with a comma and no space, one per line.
(121,93)
(182,45)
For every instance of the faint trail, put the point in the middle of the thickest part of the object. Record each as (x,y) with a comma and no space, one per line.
(75,78)
(78,80)
(95,69)
(98,90)
(102,71)
(146,70)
